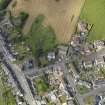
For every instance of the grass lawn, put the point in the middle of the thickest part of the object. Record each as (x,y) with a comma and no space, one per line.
(1,1)
(82,89)
(63,98)
(103,72)
(94,13)
(43,61)
(50,103)
(89,100)
(11,99)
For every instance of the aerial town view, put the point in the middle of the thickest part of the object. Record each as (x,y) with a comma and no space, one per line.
(52,52)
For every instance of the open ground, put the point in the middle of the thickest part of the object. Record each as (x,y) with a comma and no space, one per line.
(62,15)
(94,13)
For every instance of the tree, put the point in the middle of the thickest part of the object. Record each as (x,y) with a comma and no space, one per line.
(1,56)
(41,38)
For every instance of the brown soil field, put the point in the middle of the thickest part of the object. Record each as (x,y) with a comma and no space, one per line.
(62,15)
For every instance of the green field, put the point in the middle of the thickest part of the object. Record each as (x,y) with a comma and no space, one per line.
(94,13)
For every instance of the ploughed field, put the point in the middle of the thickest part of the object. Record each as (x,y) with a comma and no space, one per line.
(62,15)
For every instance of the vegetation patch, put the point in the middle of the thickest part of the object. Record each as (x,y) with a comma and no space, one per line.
(6,96)
(20,20)
(41,85)
(94,13)
(4,4)
(2,13)
(63,98)
(89,100)
(39,41)
(41,38)
(82,89)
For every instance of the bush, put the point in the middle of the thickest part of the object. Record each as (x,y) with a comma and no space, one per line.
(14,4)
(2,13)
(4,4)
(23,17)
(20,20)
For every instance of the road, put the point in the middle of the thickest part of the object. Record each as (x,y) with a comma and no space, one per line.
(94,92)
(71,83)
(20,76)
(36,71)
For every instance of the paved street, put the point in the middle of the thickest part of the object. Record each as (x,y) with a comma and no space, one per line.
(72,85)
(28,95)
(20,76)
(36,71)
(94,92)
